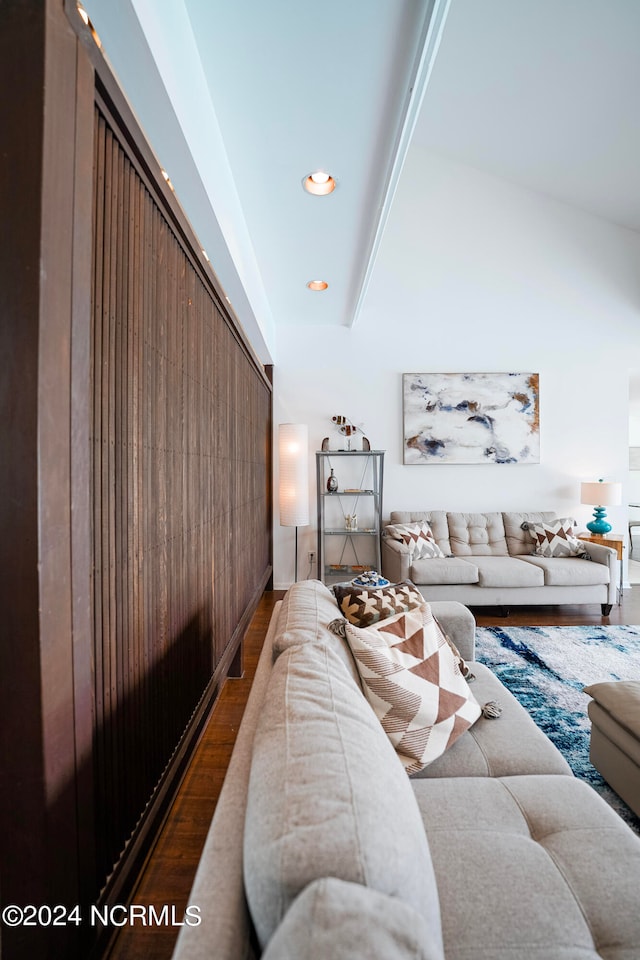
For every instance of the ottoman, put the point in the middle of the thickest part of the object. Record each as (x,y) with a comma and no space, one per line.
(615,736)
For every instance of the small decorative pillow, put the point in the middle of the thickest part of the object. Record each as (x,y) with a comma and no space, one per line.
(418,537)
(555,538)
(413,682)
(363,606)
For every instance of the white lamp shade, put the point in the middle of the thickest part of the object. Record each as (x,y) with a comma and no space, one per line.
(293,443)
(601,493)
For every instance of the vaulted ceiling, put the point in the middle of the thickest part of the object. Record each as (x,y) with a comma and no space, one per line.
(540,92)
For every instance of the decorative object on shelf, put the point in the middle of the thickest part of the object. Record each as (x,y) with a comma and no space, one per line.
(370,579)
(293,490)
(351,521)
(348,429)
(471,418)
(600,494)
(332,482)
(325,444)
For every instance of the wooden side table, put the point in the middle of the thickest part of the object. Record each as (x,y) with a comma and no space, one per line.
(616,541)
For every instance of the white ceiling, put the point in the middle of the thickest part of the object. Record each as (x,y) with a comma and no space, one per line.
(544,93)
(292,96)
(541,92)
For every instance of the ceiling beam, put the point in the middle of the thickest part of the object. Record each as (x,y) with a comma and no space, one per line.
(433,26)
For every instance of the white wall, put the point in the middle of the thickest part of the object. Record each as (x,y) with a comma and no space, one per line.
(634,440)
(476,274)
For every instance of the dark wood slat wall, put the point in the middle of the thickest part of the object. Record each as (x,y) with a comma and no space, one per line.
(136,493)
(181,421)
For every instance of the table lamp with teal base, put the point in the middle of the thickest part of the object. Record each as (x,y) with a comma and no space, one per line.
(600,494)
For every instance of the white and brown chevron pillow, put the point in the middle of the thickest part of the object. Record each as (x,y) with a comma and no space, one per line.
(413,682)
(417,536)
(364,606)
(556,538)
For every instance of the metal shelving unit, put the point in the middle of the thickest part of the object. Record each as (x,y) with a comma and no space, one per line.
(345,550)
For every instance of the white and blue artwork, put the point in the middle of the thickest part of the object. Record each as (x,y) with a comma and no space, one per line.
(471,418)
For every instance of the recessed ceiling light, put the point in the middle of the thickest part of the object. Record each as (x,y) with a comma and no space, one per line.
(319,183)
(317,284)
(85,19)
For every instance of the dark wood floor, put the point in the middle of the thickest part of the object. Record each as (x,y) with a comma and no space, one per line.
(170,870)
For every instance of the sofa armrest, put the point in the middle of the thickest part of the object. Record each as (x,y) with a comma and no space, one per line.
(458,623)
(599,553)
(396,560)
(607,556)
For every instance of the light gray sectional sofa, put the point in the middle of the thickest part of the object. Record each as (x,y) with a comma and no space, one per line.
(321,846)
(488,562)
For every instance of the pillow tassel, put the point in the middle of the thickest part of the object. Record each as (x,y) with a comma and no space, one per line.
(338,627)
(491,710)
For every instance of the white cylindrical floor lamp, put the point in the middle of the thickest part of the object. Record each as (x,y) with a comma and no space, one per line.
(293,490)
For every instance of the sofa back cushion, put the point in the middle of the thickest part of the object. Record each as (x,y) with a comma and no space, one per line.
(328,796)
(336,920)
(307,609)
(477,534)
(437,520)
(519,542)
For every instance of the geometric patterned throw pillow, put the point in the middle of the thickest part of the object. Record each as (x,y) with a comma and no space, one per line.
(364,606)
(556,538)
(418,537)
(412,680)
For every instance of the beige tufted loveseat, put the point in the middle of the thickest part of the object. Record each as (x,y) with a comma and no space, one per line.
(488,562)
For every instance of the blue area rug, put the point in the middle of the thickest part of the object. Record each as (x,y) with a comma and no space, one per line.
(545,668)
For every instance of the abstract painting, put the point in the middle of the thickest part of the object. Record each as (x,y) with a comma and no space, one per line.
(471,418)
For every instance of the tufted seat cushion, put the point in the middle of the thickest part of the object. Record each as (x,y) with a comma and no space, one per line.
(531,844)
